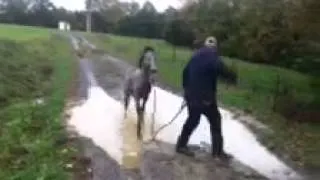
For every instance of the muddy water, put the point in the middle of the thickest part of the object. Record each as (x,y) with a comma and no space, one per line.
(131,145)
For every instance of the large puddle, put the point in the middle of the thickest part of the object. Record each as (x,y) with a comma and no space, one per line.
(101,119)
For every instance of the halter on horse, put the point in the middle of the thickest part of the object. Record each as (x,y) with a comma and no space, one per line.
(138,85)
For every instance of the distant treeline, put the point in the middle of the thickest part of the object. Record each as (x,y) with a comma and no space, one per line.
(277,32)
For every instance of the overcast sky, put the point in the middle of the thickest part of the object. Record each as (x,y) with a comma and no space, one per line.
(160,5)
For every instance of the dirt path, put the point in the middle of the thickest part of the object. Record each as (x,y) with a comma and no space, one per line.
(93,163)
(154,161)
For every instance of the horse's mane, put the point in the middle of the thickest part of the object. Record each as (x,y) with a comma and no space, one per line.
(145,50)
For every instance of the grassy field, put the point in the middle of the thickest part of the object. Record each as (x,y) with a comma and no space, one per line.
(255,93)
(34,64)
(23,33)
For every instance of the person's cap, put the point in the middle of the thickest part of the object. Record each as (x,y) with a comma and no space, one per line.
(210,42)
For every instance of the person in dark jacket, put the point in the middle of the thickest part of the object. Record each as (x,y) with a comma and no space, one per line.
(200,77)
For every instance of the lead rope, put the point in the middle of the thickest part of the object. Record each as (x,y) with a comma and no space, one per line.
(154,134)
(154,110)
(183,105)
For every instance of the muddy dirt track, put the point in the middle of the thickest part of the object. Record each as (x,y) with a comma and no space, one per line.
(157,165)
(157,160)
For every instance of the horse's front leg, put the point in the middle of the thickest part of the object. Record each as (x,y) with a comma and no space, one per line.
(143,109)
(145,99)
(126,102)
(140,117)
(144,102)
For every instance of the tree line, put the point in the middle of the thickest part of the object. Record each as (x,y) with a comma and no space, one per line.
(277,32)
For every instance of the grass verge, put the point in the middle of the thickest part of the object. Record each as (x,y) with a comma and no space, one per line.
(32,135)
(254,94)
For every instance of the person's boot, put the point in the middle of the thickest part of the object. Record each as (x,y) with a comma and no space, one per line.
(218,152)
(185,151)
(182,148)
(222,159)
(223,156)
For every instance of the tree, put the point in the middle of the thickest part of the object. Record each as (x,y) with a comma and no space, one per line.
(180,33)
(147,22)
(14,11)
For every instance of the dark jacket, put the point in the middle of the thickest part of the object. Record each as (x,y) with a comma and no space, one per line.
(201,74)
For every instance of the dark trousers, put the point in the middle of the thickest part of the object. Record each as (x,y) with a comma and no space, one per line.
(213,115)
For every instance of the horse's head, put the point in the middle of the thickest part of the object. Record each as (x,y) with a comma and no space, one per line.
(148,64)
(149,59)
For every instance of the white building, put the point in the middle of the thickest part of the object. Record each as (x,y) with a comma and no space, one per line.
(64,26)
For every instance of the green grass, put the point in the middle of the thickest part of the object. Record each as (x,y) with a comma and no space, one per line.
(254,93)
(22,33)
(33,64)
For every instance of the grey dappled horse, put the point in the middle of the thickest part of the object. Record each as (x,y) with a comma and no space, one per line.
(138,85)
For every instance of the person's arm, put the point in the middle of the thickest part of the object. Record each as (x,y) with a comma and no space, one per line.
(185,81)
(225,73)
(185,77)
